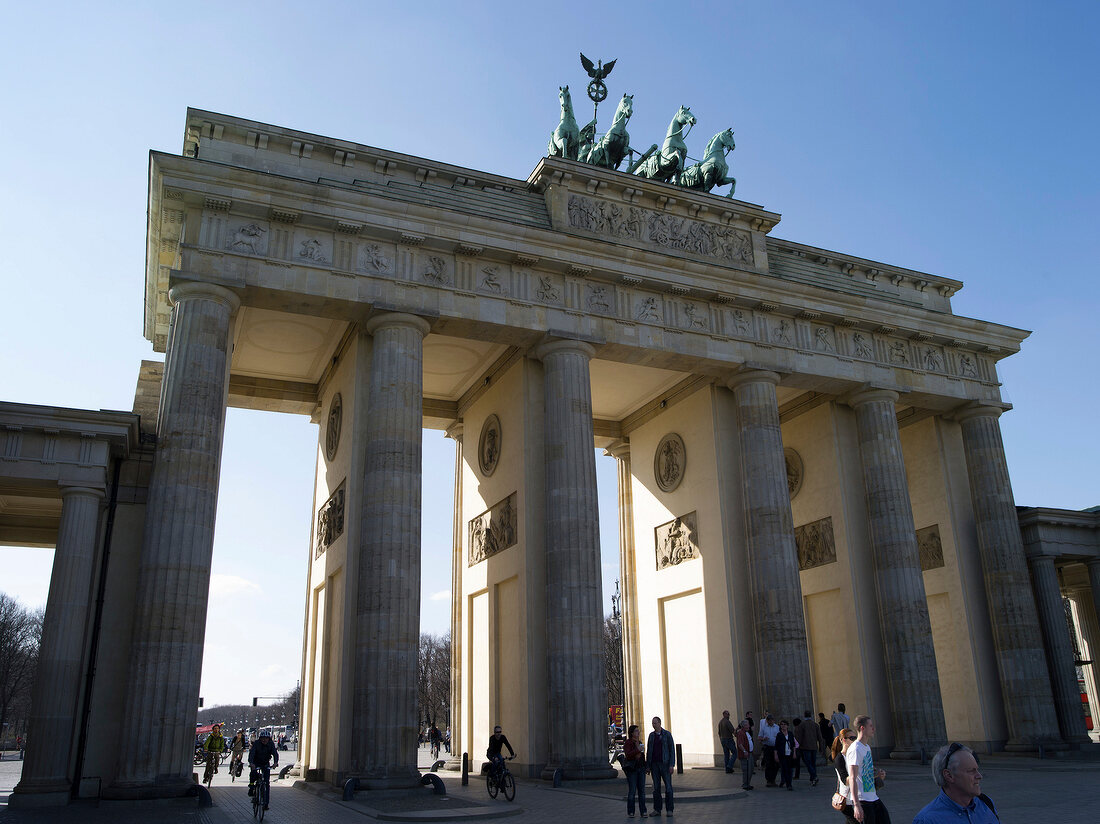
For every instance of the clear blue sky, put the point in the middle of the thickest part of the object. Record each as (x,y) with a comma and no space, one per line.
(953,138)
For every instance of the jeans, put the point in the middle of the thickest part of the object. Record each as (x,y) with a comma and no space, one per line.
(729,753)
(874,812)
(746,772)
(661,772)
(786,766)
(635,785)
(809,758)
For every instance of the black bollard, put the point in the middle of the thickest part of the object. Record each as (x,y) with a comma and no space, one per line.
(465,768)
(679,760)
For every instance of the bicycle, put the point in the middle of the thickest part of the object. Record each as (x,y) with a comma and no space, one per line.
(236,766)
(262,795)
(212,760)
(500,779)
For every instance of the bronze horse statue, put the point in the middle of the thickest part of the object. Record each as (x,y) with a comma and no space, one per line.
(668,163)
(566,139)
(711,170)
(613,146)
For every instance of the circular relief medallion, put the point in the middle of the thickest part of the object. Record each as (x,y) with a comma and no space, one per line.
(795,471)
(670,462)
(488,446)
(332,426)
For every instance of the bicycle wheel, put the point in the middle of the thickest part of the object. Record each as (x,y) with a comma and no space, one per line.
(508,784)
(491,784)
(256,804)
(265,791)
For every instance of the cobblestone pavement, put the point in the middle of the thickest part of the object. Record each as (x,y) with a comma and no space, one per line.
(1024,789)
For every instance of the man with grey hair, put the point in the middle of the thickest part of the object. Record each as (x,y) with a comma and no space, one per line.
(955,771)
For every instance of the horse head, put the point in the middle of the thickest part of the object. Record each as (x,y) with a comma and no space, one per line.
(722,140)
(685,117)
(564,98)
(626,107)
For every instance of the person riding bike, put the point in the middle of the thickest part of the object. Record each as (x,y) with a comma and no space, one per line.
(497,741)
(262,749)
(238,745)
(214,747)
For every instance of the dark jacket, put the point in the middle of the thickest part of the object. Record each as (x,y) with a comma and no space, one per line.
(259,753)
(780,742)
(668,749)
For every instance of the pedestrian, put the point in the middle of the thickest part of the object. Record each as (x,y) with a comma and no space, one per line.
(839,721)
(744,752)
(726,735)
(808,736)
(661,759)
(955,770)
(863,779)
(839,748)
(785,753)
(634,767)
(826,734)
(768,730)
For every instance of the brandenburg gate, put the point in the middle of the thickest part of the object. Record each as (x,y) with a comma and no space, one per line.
(814,503)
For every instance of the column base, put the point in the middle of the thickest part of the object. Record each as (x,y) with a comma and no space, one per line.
(1017,747)
(173,787)
(395,781)
(453,764)
(580,772)
(40,794)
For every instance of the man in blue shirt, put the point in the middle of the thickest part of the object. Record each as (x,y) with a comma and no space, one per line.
(955,770)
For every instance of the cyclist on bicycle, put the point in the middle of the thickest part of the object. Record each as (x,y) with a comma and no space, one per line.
(262,749)
(214,747)
(497,741)
(238,745)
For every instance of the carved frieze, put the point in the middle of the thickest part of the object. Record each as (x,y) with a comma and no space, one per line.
(330,521)
(374,258)
(669,462)
(598,300)
(660,229)
(488,446)
(930,547)
(250,238)
(435,271)
(676,541)
(547,291)
(492,531)
(648,310)
(311,249)
(815,544)
(332,426)
(491,281)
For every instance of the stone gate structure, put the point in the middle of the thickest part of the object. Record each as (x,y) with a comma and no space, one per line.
(814,503)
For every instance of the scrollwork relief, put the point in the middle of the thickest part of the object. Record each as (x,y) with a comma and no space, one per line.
(492,531)
(677,541)
(815,544)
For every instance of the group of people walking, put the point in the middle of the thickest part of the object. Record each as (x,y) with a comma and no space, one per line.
(782,750)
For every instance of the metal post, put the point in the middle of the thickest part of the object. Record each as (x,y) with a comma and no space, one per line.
(679,760)
(465,768)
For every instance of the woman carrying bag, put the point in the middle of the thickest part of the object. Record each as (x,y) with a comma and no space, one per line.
(634,767)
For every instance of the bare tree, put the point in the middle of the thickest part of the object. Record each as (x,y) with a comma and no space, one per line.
(433,687)
(20,636)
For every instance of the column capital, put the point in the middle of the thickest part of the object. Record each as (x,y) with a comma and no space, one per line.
(753,376)
(66,491)
(191,290)
(869,394)
(379,322)
(551,347)
(1092,563)
(455,430)
(977,409)
(620,450)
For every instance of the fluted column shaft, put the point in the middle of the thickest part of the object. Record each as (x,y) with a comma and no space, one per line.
(782,650)
(632,668)
(910,655)
(457,598)
(1025,682)
(574,620)
(384,728)
(51,726)
(174,574)
(1059,648)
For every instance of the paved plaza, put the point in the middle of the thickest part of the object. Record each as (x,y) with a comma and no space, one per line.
(1024,789)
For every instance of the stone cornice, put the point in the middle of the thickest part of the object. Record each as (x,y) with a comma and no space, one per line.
(120,429)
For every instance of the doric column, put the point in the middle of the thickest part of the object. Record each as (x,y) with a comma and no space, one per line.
(384,739)
(1025,682)
(782,651)
(899,582)
(1093,567)
(574,620)
(1088,612)
(54,705)
(1059,649)
(174,574)
(457,565)
(628,574)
